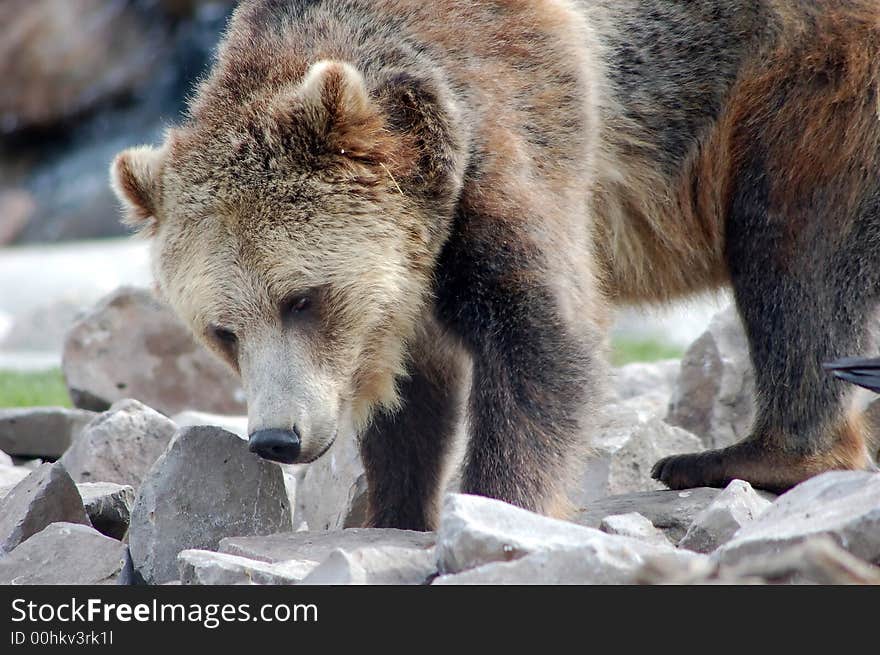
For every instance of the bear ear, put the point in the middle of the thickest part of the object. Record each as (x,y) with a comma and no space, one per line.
(338,108)
(421,110)
(135,176)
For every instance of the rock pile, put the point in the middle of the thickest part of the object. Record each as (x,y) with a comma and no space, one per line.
(136,497)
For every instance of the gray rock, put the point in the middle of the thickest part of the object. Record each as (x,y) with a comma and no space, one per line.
(714,395)
(132,346)
(635,526)
(108,506)
(475,531)
(611,560)
(119,445)
(332,492)
(641,378)
(317,546)
(5,460)
(385,565)
(670,511)
(737,505)
(844,505)
(41,431)
(64,554)
(46,496)
(206,486)
(204,567)
(628,441)
(817,560)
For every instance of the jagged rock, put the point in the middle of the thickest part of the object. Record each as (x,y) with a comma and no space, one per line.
(737,505)
(628,441)
(119,445)
(386,565)
(844,505)
(46,496)
(41,431)
(64,554)
(204,567)
(475,531)
(132,346)
(608,561)
(635,526)
(818,560)
(317,546)
(108,506)
(642,378)
(670,511)
(332,492)
(206,486)
(714,395)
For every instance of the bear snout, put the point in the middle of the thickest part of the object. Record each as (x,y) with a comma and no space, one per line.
(276,445)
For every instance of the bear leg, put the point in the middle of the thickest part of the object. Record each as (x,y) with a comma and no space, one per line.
(806,286)
(405,453)
(536,367)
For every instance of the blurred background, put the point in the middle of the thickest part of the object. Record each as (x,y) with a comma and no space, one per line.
(81,80)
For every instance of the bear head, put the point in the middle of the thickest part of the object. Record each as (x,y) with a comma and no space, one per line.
(295,220)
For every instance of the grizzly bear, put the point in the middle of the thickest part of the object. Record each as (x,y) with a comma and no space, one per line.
(387,215)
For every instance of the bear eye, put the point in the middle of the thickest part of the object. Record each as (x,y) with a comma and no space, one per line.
(224,336)
(298,306)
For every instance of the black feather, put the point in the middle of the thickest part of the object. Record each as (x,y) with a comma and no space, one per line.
(864,372)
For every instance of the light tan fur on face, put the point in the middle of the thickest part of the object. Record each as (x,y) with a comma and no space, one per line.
(229,249)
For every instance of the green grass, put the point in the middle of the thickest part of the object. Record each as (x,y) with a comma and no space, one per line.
(47,387)
(41,388)
(626,351)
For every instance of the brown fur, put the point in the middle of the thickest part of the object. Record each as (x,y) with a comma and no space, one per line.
(487,179)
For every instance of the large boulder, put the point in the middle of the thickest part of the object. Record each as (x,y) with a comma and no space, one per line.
(816,560)
(119,445)
(64,554)
(844,505)
(714,395)
(133,346)
(41,431)
(46,496)
(205,487)
(478,532)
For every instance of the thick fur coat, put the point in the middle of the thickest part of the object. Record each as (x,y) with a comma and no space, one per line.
(385,213)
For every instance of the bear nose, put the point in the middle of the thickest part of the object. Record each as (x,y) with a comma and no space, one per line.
(276,445)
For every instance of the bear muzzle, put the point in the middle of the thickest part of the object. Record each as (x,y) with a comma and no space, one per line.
(276,445)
